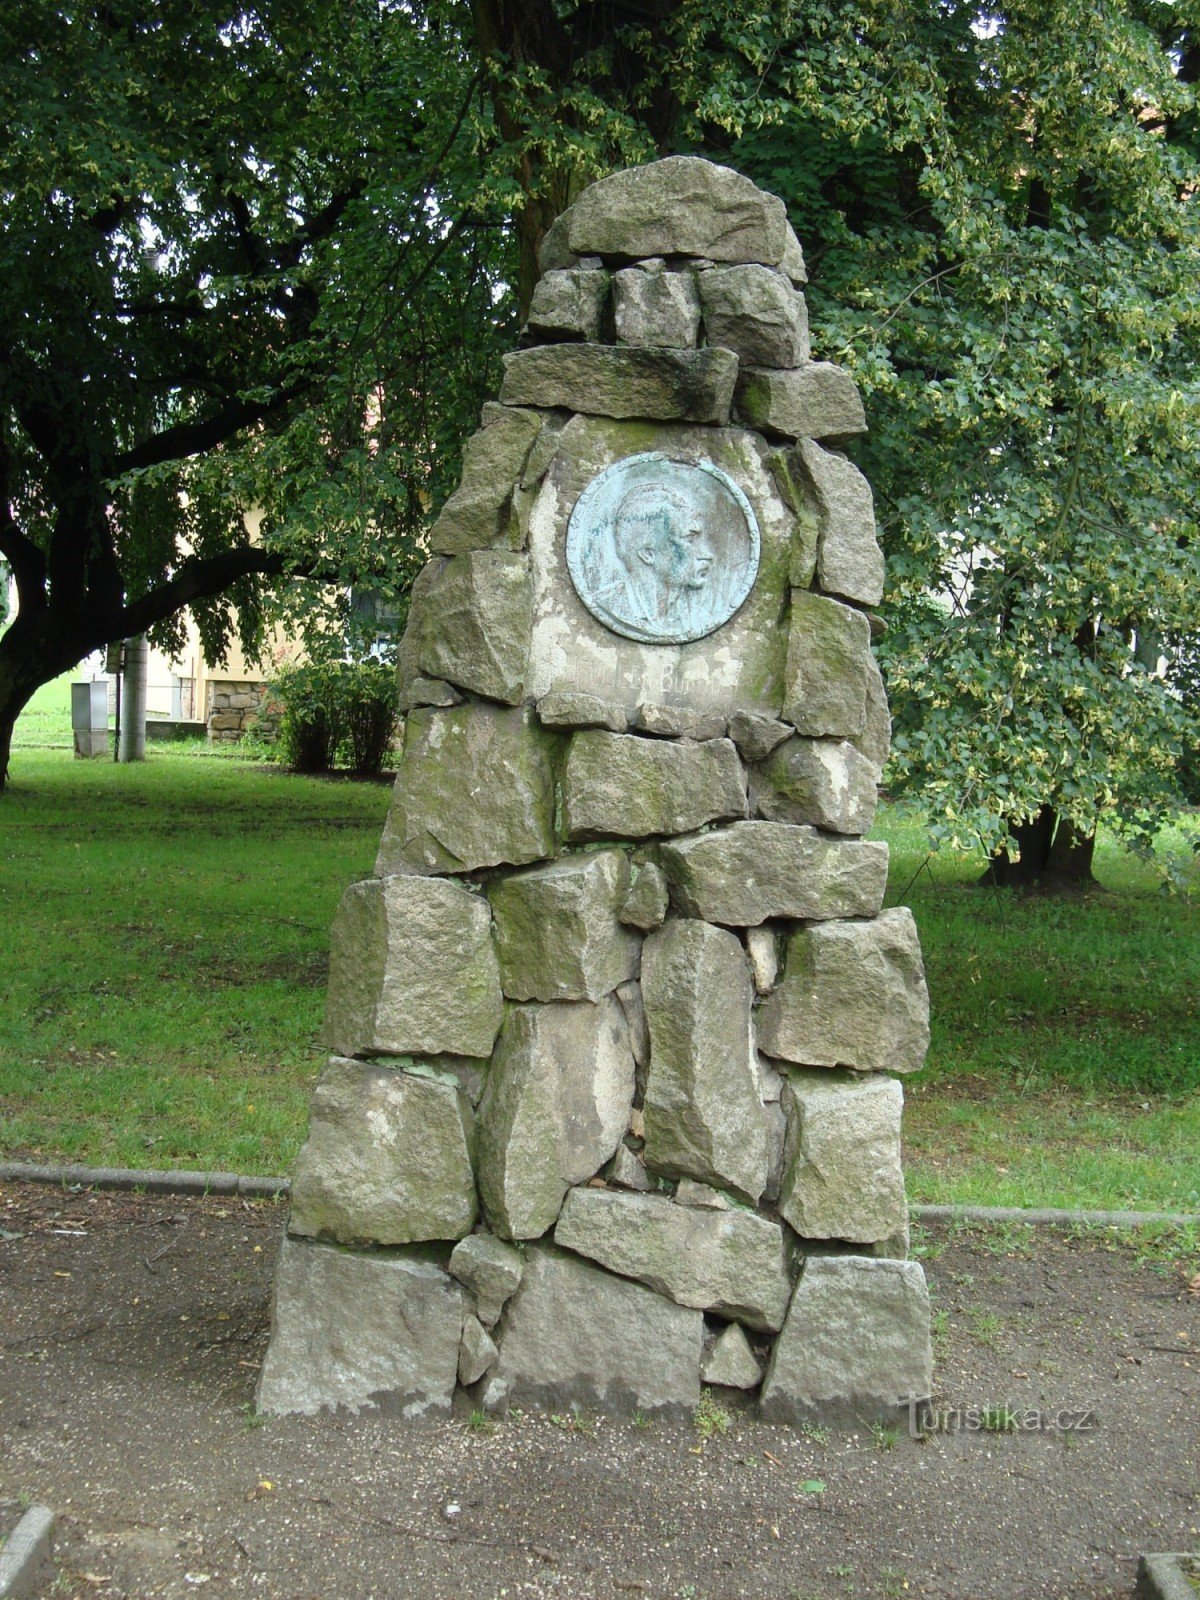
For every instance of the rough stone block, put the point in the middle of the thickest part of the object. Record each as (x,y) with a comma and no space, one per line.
(569,303)
(757,735)
(656,309)
(645,906)
(557,931)
(475,788)
(470,623)
(853,994)
(729,1362)
(816,401)
(682,206)
(849,560)
(430,692)
(842,1177)
(762,947)
(609,381)
(619,786)
(824,782)
(628,1171)
(630,996)
(477,1353)
(828,668)
(490,1269)
(703,1117)
(387,1159)
(412,971)
(568,708)
(855,1346)
(753,871)
(792,261)
(729,1262)
(756,313)
(492,462)
(690,1193)
(574,1335)
(875,740)
(679,722)
(554,253)
(557,1102)
(360,1331)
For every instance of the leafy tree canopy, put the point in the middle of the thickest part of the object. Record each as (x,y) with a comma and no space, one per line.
(241,265)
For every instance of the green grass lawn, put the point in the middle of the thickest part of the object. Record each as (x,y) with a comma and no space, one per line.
(163,941)
(1064,1067)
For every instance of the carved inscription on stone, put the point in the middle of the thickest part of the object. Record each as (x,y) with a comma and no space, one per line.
(662,551)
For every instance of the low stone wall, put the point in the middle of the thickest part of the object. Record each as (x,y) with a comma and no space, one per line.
(235,709)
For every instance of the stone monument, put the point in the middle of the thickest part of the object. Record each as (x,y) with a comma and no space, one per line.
(614,1110)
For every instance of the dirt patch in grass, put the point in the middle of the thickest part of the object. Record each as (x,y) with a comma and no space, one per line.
(131,1330)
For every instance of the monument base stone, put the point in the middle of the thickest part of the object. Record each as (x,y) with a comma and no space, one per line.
(614,1111)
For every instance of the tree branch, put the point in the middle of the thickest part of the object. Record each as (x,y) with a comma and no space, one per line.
(192,438)
(202,578)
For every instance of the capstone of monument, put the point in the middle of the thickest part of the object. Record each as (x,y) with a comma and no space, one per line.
(619,1025)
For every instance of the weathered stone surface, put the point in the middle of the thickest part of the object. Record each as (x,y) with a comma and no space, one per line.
(739,666)
(469,622)
(569,708)
(682,206)
(574,1335)
(556,1105)
(703,1117)
(492,462)
(729,1262)
(756,735)
(569,303)
(729,1362)
(828,668)
(762,946)
(855,1346)
(816,401)
(360,1331)
(477,1352)
(412,971)
(645,906)
(756,313)
(387,1160)
(554,253)
(490,1269)
(825,782)
(612,381)
(628,1171)
(795,486)
(842,1176)
(619,786)
(853,994)
(630,996)
(430,692)
(875,740)
(557,931)
(679,722)
(656,309)
(776,1146)
(690,1193)
(849,560)
(753,871)
(792,261)
(475,789)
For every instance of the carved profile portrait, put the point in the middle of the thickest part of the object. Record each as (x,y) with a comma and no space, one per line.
(662,551)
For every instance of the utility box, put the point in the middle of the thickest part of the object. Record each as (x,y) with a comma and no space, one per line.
(89,719)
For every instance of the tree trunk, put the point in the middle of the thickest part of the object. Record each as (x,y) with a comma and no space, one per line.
(1069,865)
(32,652)
(1054,855)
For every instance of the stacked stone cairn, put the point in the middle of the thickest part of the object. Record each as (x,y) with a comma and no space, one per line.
(614,1110)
